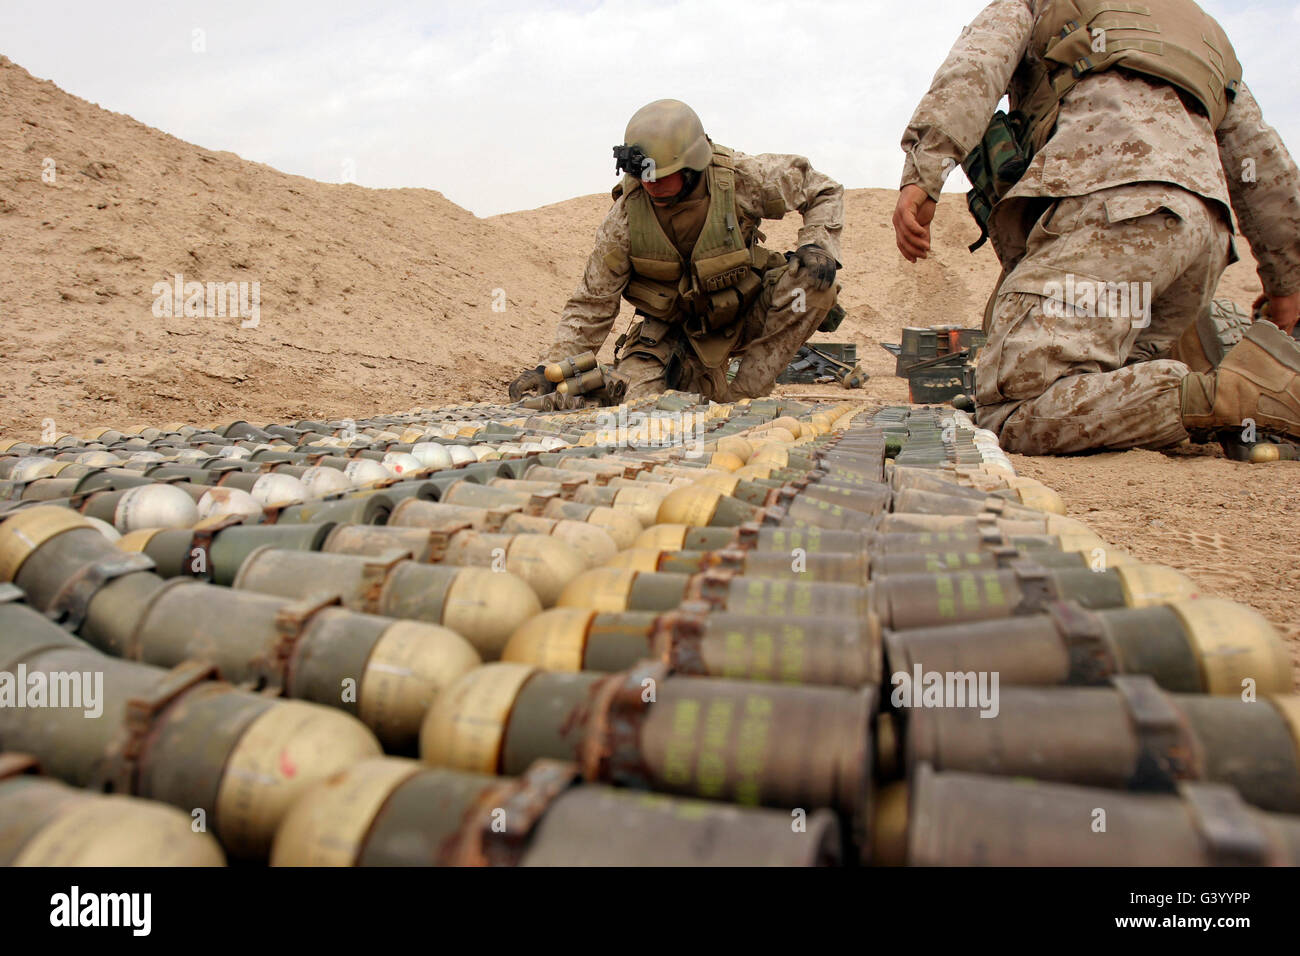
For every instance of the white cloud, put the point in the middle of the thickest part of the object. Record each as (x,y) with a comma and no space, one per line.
(511,104)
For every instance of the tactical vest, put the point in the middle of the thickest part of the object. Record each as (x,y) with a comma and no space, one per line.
(1170,40)
(724,274)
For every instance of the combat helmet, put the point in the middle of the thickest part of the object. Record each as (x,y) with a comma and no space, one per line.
(661,138)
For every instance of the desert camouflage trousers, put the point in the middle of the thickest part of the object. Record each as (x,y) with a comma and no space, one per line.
(786,312)
(1080,323)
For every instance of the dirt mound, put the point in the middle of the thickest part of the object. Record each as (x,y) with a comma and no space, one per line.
(370,300)
(379,300)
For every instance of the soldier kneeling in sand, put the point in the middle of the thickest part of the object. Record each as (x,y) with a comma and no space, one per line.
(1131,143)
(681,243)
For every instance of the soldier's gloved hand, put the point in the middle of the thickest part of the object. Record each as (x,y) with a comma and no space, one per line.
(819,264)
(532,382)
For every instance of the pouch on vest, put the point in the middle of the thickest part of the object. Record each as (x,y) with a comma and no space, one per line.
(713,349)
(647,336)
(652,331)
(650,298)
(722,309)
(722,272)
(651,338)
(994,166)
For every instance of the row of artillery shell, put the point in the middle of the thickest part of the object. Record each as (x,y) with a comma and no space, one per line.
(732,646)
(116,602)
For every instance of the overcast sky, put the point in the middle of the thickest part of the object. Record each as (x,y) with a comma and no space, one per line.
(504,105)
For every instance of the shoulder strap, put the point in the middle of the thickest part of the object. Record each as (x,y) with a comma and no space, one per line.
(1170,40)
(722,156)
(721,233)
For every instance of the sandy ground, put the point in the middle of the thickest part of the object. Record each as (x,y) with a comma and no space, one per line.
(384,300)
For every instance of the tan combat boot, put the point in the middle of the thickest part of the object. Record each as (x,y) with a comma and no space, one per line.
(1206,341)
(1258,380)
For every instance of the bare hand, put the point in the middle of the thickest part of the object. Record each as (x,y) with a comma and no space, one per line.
(912,217)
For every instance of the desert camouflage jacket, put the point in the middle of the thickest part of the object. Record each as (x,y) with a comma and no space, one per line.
(1114,128)
(590,313)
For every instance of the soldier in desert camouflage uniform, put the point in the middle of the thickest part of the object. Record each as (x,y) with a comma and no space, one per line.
(1134,180)
(681,243)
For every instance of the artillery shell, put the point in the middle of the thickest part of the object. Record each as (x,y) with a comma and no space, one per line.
(392,812)
(833,651)
(1189,646)
(747,742)
(46,823)
(570,367)
(483,606)
(960,819)
(1131,736)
